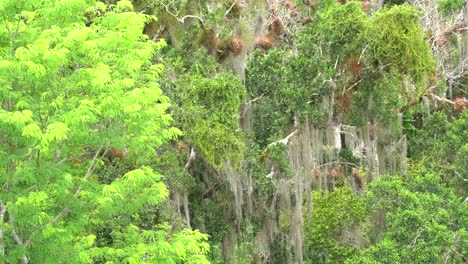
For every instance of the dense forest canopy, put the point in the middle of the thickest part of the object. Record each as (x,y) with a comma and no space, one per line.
(233,131)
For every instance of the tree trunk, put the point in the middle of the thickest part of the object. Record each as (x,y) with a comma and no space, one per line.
(2,215)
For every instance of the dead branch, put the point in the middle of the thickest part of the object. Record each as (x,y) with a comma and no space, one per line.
(191,159)
(249,103)
(416,238)
(285,140)
(351,87)
(230,8)
(272,172)
(338,162)
(445,100)
(182,20)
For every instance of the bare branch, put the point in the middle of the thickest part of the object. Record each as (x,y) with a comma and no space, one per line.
(352,86)
(249,103)
(254,100)
(338,162)
(92,166)
(272,172)
(230,8)
(445,100)
(285,140)
(192,157)
(416,238)
(182,20)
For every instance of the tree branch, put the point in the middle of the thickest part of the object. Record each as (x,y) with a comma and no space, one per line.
(182,20)
(445,100)
(249,103)
(285,140)
(92,166)
(65,210)
(416,238)
(2,215)
(338,162)
(16,237)
(230,8)
(192,157)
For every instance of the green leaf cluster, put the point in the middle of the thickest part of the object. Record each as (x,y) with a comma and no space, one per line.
(77,82)
(334,216)
(424,222)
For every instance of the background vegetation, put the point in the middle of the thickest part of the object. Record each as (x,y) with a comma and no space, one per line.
(231,131)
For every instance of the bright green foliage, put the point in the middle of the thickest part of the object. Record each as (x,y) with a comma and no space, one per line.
(334,219)
(76,81)
(206,107)
(341,29)
(397,38)
(211,107)
(385,252)
(135,246)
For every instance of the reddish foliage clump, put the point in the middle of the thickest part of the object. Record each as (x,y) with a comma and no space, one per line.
(312,5)
(366,7)
(211,42)
(461,104)
(355,65)
(358,179)
(344,103)
(277,27)
(307,21)
(181,147)
(291,6)
(115,153)
(265,42)
(335,173)
(236,46)
(316,172)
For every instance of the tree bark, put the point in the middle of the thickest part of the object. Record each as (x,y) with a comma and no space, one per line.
(2,215)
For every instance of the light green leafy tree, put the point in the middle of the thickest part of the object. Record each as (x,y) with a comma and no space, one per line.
(76,83)
(331,232)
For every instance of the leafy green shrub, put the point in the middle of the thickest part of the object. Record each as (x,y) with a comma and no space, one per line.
(450,6)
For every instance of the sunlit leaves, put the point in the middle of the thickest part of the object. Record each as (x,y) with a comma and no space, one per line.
(69,93)
(154,247)
(397,38)
(32,131)
(210,116)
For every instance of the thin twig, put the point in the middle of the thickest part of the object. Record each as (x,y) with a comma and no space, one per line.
(182,20)
(92,167)
(338,162)
(230,8)
(416,238)
(247,105)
